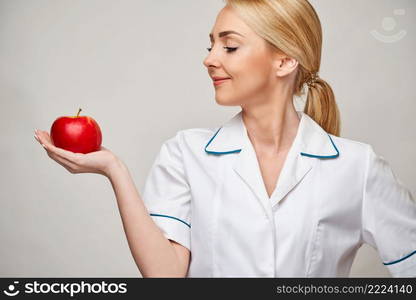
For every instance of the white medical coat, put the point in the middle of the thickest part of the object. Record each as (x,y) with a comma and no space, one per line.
(205,191)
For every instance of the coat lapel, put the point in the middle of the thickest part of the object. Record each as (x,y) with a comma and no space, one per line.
(247,167)
(311,143)
(232,138)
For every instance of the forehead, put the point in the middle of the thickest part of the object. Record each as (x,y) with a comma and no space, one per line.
(227,19)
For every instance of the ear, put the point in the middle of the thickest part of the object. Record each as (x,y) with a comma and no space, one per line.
(285,65)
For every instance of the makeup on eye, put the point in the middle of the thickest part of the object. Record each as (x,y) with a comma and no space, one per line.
(229,49)
(224,36)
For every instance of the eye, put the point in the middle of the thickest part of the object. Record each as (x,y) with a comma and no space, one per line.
(229,49)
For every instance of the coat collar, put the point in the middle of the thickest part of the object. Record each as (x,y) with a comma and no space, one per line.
(311,142)
(312,138)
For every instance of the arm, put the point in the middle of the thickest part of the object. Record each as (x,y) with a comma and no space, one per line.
(154,255)
(389,217)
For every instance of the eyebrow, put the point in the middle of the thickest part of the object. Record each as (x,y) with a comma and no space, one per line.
(224,33)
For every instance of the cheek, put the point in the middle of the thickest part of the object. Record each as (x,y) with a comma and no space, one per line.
(252,74)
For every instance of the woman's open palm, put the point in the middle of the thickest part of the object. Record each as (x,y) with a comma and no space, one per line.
(95,162)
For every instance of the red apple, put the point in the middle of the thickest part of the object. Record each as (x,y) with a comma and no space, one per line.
(79,134)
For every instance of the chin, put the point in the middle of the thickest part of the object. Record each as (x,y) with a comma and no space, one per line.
(226,102)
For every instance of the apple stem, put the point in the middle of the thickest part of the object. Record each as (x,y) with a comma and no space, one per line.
(79,112)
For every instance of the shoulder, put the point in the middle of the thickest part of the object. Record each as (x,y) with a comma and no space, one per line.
(351,149)
(360,155)
(192,138)
(188,145)
(355,157)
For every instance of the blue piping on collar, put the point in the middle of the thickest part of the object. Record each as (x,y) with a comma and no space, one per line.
(319,156)
(218,153)
(302,153)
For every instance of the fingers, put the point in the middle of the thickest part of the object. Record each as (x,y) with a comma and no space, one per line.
(38,139)
(64,162)
(43,138)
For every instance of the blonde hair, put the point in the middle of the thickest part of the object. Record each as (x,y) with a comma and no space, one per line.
(293,27)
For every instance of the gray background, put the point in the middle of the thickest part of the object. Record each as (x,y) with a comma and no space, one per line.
(136,67)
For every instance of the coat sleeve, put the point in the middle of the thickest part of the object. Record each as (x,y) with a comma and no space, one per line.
(167,195)
(389,217)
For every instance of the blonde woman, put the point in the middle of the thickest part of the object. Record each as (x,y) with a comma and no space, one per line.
(273,192)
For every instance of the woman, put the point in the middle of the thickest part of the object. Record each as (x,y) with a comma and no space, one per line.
(272,192)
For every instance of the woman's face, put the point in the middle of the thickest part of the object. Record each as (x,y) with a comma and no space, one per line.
(248,62)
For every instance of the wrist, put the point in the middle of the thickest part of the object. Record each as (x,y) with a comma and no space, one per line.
(115,166)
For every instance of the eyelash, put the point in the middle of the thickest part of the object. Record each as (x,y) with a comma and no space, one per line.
(229,49)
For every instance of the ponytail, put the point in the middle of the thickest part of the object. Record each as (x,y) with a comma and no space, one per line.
(321,106)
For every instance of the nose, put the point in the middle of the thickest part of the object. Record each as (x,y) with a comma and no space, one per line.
(211,60)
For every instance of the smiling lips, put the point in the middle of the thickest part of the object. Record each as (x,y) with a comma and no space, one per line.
(219,80)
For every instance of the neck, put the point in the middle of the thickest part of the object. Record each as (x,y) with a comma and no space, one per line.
(271,128)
